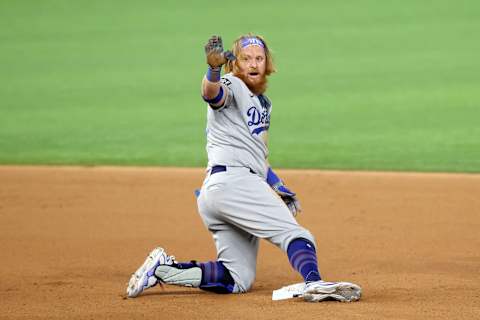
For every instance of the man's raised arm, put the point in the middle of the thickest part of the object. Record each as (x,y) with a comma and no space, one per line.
(213,92)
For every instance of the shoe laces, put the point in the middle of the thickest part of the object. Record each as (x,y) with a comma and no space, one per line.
(170,260)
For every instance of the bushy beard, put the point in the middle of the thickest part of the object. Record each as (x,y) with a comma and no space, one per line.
(257,88)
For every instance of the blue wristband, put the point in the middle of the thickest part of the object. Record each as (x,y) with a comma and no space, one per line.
(272,178)
(213,74)
(276,184)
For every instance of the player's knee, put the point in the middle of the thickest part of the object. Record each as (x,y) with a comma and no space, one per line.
(246,281)
(298,233)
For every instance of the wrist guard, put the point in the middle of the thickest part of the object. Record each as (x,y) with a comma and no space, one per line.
(213,74)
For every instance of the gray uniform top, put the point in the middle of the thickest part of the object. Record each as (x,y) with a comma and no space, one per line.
(237,217)
(235,132)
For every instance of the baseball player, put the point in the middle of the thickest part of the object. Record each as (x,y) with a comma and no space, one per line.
(242,200)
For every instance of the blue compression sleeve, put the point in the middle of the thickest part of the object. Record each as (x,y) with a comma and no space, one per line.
(303,258)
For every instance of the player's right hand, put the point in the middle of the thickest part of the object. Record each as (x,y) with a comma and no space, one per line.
(216,57)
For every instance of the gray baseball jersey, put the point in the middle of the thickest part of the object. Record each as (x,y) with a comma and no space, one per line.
(237,206)
(235,132)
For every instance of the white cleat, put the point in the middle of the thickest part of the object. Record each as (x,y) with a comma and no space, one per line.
(340,291)
(144,277)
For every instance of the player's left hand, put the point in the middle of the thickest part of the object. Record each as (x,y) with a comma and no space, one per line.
(293,204)
(216,57)
(288,196)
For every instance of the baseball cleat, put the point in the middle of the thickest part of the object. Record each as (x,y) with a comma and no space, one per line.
(340,291)
(144,277)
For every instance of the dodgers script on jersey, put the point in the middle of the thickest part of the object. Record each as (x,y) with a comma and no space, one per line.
(236,132)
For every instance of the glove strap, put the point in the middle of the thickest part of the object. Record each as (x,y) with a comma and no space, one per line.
(213,74)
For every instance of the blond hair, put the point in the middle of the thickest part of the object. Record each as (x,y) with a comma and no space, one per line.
(231,66)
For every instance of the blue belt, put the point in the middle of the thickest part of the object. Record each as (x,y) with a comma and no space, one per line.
(217,169)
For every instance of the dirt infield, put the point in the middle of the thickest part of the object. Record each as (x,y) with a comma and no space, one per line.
(70,238)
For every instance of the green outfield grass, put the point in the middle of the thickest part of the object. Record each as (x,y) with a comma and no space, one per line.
(370,85)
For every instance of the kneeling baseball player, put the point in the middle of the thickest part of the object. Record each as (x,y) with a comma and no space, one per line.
(242,200)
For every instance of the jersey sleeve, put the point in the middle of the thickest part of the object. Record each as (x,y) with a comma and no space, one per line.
(231,88)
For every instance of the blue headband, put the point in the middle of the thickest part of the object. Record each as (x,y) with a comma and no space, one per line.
(252,41)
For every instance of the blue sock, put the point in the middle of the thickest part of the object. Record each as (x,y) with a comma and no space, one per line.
(215,277)
(303,258)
